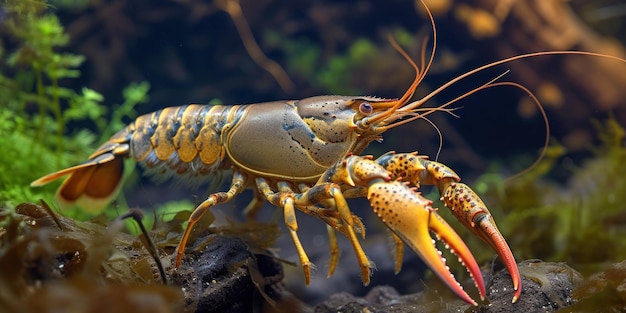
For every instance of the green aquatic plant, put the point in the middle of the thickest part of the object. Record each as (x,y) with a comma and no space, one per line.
(566,222)
(341,68)
(581,221)
(38,107)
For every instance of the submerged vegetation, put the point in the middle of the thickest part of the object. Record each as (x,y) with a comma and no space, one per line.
(50,262)
(38,108)
(570,223)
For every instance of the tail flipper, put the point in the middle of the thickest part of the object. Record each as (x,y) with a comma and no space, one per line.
(91,185)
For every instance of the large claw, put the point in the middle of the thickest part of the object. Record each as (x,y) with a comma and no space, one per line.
(465,204)
(411,217)
(473,213)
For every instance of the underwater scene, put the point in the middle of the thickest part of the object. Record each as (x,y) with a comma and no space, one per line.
(465,156)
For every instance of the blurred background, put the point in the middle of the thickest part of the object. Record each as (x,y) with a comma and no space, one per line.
(238,51)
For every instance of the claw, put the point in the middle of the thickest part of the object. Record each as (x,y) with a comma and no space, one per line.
(472,212)
(461,199)
(411,217)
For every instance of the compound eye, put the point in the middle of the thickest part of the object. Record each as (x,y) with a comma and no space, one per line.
(365,108)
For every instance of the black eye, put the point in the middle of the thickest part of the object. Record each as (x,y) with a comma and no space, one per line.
(365,108)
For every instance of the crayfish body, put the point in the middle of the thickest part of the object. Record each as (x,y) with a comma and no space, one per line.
(304,154)
(301,155)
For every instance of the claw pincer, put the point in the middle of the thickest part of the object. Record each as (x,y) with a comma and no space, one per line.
(410,217)
(464,203)
(472,212)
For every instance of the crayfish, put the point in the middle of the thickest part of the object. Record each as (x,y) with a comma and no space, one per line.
(304,155)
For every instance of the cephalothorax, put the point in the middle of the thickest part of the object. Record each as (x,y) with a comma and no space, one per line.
(303,155)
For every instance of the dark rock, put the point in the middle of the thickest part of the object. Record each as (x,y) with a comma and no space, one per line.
(606,290)
(225,276)
(547,287)
(380,299)
(347,277)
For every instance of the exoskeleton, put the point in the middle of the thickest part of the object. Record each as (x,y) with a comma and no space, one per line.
(298,155)
(304,155)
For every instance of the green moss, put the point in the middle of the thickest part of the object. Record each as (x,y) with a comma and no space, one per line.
(34,128)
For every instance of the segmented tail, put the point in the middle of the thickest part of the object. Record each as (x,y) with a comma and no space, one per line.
(93,184)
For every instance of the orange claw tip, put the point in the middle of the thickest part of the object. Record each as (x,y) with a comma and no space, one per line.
(488,231)
(456,245)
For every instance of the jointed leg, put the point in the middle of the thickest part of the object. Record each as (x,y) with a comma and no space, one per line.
(237,186)
(333,222)
(399,252)
(340,219)
(285,198)
(255,204)
(344,222)
(334,250)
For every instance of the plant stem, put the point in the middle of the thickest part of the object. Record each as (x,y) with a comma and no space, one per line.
(56,110)
(41,103)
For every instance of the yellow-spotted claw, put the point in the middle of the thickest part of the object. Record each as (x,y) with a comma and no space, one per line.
(473,213)
(410,217)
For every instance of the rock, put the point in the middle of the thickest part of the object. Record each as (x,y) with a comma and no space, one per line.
(547,287)
(226,276)
(606,290)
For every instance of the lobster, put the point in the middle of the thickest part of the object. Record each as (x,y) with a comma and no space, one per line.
(304,155)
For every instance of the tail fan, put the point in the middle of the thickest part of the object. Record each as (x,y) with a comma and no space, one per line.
(91,185)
